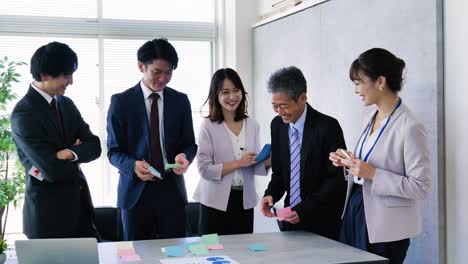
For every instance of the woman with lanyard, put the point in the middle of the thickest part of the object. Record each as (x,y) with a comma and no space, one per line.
(388,173)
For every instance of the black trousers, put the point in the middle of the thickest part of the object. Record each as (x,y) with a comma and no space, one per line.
(395,251)
(159,213)
(236,220)
(87,227)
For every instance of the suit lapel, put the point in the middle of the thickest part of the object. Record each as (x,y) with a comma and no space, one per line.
(249,135)
(45,111)
(138,101)
(286,158)
(308,135)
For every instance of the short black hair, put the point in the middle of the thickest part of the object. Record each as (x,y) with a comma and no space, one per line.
(158,49)
(378,62)
(215,108)
(53,59)
(289,80)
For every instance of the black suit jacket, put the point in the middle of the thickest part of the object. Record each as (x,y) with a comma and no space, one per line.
(322,185)
(52,207)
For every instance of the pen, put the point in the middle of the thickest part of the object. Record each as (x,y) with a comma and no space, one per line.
(243,149)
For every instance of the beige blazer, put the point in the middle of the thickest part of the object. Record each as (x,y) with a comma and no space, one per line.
(402,178)
(215,148)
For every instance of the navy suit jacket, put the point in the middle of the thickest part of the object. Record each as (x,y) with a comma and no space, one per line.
(128,138)
(321,183)
(52,207)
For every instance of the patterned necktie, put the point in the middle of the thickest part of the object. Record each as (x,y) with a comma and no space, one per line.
(156,152)
(53,105)
(295,150)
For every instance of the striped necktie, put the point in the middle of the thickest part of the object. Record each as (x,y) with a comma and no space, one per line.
(295,150)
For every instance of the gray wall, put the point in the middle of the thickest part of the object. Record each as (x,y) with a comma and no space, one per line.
(325,39)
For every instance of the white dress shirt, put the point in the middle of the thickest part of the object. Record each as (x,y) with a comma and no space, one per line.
(367,145)
(238,142)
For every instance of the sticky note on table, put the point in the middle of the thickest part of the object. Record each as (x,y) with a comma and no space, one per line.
(198,249)
(131,258)
(173,251)
(124,244)
(187,245)
(283,213)
(215,247)
(126,252)
(169,166)
(211,239)
(257,247)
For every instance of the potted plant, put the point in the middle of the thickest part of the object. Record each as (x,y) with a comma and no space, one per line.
(12,176)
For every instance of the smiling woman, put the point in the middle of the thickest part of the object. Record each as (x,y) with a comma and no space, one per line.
(228,145)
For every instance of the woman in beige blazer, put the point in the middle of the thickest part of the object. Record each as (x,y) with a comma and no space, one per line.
(228,145)
(388,173)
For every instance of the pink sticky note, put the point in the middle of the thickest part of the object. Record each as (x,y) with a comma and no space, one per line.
(215,247)
(126,252)
(283,213)
(131,258)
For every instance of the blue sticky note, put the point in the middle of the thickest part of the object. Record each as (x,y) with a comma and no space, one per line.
(174,251)
(154,172)
(257,247)
(264,153)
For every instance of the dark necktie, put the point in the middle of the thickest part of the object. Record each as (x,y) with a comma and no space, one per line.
(58,119)
(156,152)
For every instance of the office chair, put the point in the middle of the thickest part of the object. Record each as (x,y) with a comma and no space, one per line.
(109,223)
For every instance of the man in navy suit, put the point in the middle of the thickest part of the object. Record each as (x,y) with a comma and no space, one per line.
(52,139)
(151,125)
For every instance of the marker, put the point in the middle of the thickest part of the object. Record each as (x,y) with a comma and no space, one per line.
(243,149)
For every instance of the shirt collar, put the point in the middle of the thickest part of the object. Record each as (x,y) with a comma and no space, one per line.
(299,125)
(46,96)
(147,91)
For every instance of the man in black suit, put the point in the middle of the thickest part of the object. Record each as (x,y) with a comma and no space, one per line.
(301,140)
(52,139)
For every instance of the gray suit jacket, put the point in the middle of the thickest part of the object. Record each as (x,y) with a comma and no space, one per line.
(402,178)
(215,148)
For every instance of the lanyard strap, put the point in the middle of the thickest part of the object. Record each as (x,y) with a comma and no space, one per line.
(380,133)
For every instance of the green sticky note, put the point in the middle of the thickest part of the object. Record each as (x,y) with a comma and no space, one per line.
(171,166)
(187,245)
(211,239)
(198,249)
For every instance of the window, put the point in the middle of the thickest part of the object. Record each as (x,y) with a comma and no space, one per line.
(106,34)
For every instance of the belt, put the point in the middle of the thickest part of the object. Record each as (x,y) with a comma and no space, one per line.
(237,188)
